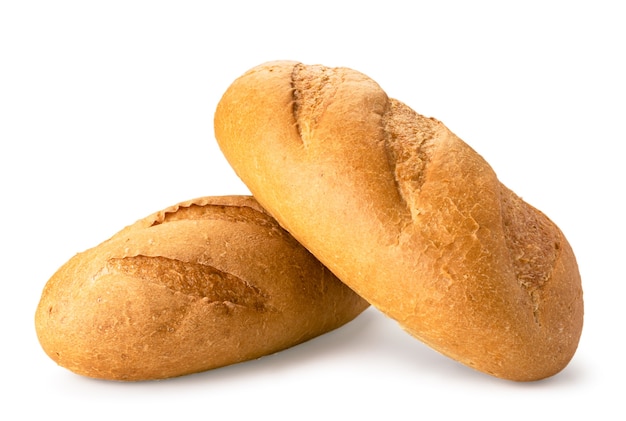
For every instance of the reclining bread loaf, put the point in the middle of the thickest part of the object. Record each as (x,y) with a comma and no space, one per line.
(200,285)
(407,215)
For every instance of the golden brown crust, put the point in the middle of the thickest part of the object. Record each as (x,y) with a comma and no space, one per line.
(407,215)
(199,285)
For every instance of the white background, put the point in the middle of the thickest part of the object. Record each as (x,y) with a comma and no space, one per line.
(106,112)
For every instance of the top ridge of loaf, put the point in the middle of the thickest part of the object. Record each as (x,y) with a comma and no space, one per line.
(227,208)
(314,88)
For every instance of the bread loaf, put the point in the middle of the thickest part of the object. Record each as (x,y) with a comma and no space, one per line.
(203,284)
(407,215)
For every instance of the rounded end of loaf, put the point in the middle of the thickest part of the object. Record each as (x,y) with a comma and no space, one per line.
(407,215)
(200,285)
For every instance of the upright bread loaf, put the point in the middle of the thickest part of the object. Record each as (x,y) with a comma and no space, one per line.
(203,284)
(407,215)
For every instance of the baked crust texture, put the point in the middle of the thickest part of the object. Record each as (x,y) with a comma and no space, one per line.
(406,214)
(199,285)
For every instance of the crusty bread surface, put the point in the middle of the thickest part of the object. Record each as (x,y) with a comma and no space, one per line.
(200,285)
(406,214)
